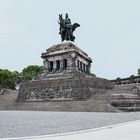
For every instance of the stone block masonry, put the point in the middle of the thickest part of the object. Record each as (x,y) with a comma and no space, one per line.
(62,89)
(66,77)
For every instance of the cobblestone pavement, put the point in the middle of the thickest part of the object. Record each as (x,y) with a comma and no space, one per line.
(33,123)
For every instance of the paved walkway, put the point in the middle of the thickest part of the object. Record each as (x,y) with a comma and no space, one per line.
(38,123)
(124,131)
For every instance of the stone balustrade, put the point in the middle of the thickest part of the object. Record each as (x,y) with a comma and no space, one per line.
(129,80)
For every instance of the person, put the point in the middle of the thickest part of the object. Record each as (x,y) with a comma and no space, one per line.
(67,19)
(68,28)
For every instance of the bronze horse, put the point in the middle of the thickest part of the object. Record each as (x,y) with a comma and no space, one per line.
(66,30)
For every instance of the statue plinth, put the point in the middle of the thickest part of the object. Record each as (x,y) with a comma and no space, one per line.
(64,58)
(67,77)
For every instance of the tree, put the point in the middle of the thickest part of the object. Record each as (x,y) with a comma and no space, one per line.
(7,78)
(93,74)
(31,71)
(139,71)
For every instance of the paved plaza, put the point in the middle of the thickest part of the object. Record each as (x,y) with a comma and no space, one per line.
(123,131)
(34,123)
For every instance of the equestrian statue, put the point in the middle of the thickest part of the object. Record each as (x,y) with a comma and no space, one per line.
(66,28)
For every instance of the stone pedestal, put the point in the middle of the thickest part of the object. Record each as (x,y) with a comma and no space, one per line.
(62,88)
(69,56)
(67,77)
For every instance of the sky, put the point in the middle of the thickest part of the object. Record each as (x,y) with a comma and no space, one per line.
(109,33)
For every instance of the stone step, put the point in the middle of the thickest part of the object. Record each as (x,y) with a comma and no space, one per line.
(124,96)
(127,87)
(128,109)
(124,102)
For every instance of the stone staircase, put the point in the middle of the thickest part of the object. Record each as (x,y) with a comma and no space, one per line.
(126,97)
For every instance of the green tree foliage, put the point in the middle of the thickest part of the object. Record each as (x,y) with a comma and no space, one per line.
(31,71)
(7,78)
(139,71)
(93,74)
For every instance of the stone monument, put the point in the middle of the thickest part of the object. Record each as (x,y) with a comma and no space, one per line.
(67,74)
(65,58)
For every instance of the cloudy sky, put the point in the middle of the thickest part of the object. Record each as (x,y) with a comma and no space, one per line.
(109,33)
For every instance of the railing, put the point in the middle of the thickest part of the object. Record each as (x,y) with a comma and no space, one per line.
(129,80)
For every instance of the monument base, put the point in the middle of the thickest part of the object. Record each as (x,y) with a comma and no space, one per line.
(66,83)
(66,88)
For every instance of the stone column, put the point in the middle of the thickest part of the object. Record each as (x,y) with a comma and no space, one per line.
(84,67)
(71,63)
(89,67)
(46,64)
(76,64)
(61,65)
(54,66)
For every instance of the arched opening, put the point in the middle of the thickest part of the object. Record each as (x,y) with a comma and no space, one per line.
(51,66)
(64,64)
(57,64)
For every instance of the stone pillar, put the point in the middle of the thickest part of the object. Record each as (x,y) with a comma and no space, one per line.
(77,64)
(46,64)
(89,67)
(61,67)
(84,67)
(61,64)
(69,62)
(80,66)
(54,66)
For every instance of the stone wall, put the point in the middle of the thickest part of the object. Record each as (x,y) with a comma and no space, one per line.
(126,97)
(66,77)
(62,88)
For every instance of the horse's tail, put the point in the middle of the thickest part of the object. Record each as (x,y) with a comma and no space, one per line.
(75,25)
